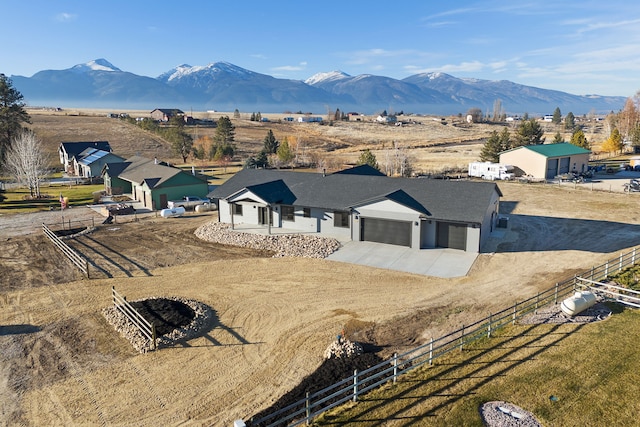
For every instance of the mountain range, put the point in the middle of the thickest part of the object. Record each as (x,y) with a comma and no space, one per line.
(222,86)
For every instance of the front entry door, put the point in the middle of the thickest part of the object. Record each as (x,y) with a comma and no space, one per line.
(265,216)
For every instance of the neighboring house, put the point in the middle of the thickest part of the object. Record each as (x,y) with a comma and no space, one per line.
(547,161)
(165,114)
(309,119)
(362,205)
(90,162)
(386,119)
(151,182)
(69,151)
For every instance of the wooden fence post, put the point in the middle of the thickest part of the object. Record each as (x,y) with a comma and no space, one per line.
(489,327)
(515,310)
(395,367)
(355,385)
(555,294)
(431,351)
(308,407)
(606,269)
(461,337)
(620,265)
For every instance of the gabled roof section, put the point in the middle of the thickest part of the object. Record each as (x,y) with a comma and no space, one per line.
(142,170)
(169,111)
(75,148)
(553,150)
(275,192)
(91,155)
(361,170)
(398,196)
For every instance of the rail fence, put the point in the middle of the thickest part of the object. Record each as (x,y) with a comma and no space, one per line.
(147,329)
(348,389)
(72,255)
(70,224)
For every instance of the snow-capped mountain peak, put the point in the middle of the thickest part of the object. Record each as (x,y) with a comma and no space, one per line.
(185,70)
(100,64)
(326,77)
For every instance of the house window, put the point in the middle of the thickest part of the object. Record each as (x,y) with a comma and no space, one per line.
(287,213)
(306,212)
(236,209)
(341,219)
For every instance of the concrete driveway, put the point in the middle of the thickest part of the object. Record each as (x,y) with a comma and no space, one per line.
(442,262)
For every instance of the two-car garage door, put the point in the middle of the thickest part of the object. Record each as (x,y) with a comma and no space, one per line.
(448,235)
(385,231)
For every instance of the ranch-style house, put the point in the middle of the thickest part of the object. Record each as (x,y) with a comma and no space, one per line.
(151,182)
(361,204)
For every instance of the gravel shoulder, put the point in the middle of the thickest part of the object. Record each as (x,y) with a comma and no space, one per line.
(274,317)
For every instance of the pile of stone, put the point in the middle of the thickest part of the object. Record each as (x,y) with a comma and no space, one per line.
(553,314)
(126,328)
(343,348)
(505,414)
(283,245)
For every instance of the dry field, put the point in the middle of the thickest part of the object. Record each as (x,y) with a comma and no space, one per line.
(63,364)
(431,145)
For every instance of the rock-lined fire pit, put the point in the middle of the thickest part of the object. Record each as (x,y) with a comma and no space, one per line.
(175,319)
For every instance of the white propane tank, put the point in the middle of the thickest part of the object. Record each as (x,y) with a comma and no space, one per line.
(203,208)
(168,213)
(579,302)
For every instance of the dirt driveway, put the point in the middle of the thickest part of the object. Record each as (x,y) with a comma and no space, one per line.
(62,364)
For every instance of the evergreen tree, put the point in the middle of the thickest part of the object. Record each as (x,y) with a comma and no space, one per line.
(368,158)
(495,144)
(270,143)
(223,140)
(613,144)
(578,138)
(557,116)
(529,132)
(181,141)
(12,114)
(557,138)
(284,152)
(569,121)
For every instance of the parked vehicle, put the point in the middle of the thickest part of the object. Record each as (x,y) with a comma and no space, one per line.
(632,186)
(188,202)
(491,171)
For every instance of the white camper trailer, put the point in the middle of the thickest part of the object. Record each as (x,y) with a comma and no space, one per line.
(491,171)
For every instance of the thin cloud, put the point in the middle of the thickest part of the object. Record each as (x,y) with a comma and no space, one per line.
(300,67)
(66,17)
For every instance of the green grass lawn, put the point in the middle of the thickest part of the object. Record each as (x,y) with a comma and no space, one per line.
(18,200)
(592,370)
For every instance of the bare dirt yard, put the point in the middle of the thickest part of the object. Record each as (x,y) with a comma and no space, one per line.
(63,364)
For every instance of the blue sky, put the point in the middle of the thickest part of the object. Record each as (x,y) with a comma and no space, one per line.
(580,47)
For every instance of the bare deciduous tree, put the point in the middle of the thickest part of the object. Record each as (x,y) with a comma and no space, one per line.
(27,161)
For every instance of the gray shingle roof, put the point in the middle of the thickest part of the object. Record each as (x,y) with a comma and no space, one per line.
(74,148)
(463,201)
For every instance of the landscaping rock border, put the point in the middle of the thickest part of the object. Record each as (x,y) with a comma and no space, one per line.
(283,245)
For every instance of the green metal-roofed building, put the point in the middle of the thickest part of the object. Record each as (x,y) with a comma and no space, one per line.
(547,161)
